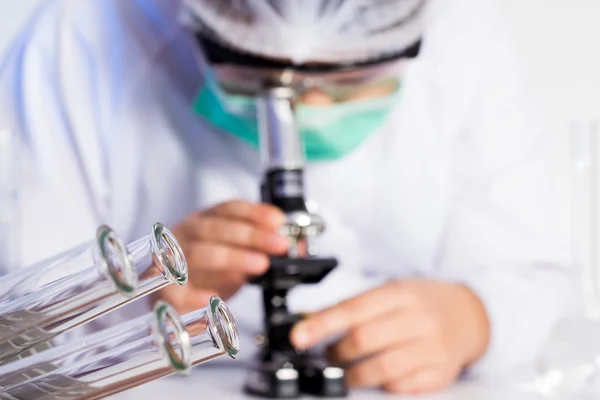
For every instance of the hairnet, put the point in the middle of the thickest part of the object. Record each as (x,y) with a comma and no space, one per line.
(302,31)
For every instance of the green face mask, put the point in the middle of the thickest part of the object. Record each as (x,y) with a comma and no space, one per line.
(329,132)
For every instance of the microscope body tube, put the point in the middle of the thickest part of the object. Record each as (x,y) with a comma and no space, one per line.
(80,286)
(126,356)
(280,142)
(282,152)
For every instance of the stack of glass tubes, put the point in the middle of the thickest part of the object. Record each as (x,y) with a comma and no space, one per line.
(111,361)
(79,286)
(40,303)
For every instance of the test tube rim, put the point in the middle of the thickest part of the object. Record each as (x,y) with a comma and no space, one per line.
(106,236)
(226,337)
(165,313)
(177,271)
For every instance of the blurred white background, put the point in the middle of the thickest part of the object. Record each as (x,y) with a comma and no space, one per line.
(559,45)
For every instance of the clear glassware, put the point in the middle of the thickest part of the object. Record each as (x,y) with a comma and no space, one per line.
(9,200)
(123,357)
(569,363)
(53,297)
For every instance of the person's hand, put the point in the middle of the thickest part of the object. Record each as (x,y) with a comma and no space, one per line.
(408,337)
(224,246)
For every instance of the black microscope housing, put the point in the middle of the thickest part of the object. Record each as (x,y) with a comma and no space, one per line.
(281,370)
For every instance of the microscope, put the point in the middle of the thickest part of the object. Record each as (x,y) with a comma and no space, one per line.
(281,370)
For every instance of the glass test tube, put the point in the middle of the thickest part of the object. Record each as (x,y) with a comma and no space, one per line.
(123,357)
(81,285)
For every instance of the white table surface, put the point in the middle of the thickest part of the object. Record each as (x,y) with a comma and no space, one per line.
(225,382)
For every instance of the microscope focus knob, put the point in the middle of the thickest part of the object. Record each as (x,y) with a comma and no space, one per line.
(303,224)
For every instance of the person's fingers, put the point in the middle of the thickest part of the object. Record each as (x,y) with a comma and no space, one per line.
(426,380)
(203,256)
(349,314)
(225,283)
(386,331)
(238,233)
(390,365)
(264,215)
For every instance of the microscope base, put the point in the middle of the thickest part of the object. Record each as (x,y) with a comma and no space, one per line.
(272,381)
(319,379)
(290,380)
(281,372)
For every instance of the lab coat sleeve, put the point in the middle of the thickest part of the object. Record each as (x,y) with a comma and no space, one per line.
(52,95)
(61,181)
(506,236)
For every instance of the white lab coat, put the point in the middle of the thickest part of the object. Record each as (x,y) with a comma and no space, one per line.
(454,186)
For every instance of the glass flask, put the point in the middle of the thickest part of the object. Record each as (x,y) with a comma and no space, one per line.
(569,363)
(128,355)
(74,288)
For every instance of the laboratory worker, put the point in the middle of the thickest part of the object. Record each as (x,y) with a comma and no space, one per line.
(426,162)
